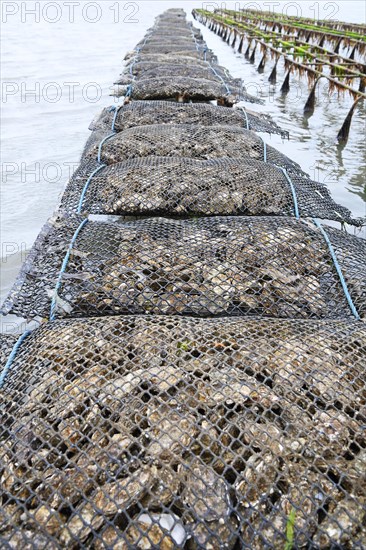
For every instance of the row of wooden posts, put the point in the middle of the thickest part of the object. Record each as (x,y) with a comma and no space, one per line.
(244,39)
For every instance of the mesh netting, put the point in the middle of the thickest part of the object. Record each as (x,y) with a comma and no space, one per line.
(7,341)
(151,433)
(184,140)
(177,186)
(205,266)
(140,113)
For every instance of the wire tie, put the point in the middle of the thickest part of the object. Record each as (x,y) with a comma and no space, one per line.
(246,117)
(11,357)
(63,269)
(293,191)
(82,197)
(338,268)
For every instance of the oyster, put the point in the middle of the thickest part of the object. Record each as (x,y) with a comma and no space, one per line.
(205,493)
(170,432)
(216,535)
(111,538)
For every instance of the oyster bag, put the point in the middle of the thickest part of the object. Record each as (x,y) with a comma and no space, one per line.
(268,266)
(179,186)
(171,432)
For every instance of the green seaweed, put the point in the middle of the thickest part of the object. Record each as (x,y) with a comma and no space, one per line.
(186,345)
(297,23)
(289,47)
(290,530)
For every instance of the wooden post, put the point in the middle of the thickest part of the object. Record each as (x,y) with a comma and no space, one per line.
(336,49)
(262,63)
(241,43)
(273,76)
(252,57)
(310,102)
(342,136)
(285,88)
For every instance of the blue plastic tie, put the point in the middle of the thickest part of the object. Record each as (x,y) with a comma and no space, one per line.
(11,357)
(246,117)
(63,269)
(220,78)
(338,268)
(129,91)
(115,109)
(82,197)
(293,191)
(264,149)
(101,145)
(228,91)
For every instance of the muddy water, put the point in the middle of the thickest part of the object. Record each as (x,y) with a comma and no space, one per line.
(58,76)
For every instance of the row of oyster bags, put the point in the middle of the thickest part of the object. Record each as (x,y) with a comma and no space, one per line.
(173,432)
(268,266)
(157,431)
(170,158)
(183,140)
(173,62)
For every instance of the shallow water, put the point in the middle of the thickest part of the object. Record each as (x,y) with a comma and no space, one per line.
(57,76)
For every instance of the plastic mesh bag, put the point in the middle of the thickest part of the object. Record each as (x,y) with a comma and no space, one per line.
(140,113)
(145,70)
(173,14)
(138,432)
(168,58)
(159,39)
(178,51)
(277,267)
(176,31)
(183,89)
(167,46)
(177,186)
(184,140)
